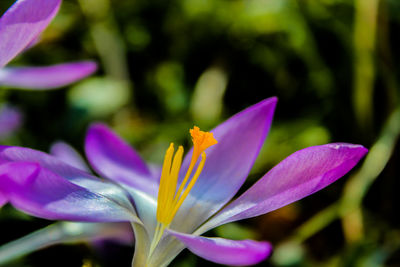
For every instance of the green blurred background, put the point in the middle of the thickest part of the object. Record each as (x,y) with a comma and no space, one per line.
(166,65)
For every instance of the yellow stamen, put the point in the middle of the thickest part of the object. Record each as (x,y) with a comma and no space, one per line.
(201,141)
(169,198)
(189,187)
(164,179)
(170,186)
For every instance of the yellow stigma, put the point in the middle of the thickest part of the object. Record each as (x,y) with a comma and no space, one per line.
(201,140)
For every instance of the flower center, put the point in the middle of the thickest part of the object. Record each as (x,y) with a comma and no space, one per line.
(170,196)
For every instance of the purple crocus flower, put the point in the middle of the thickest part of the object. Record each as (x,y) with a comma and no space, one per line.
(165,215)
(20,28)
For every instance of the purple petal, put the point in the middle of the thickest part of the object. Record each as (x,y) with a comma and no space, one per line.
(80,178)
(17,154)
(113,158)
(33,43)
(225,251)
(10,121)
(228,163)
(3,199)
(21,25)
(48,77)
(42,193)
(155,170)
(69,155)
(299,175)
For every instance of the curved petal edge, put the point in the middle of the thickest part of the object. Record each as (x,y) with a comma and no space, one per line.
(48,77)
(22,23)
(112,157)
(69,155)
(42,193)
(225,251)
(299,175)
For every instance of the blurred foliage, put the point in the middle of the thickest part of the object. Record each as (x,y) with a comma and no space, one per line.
(166,65)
